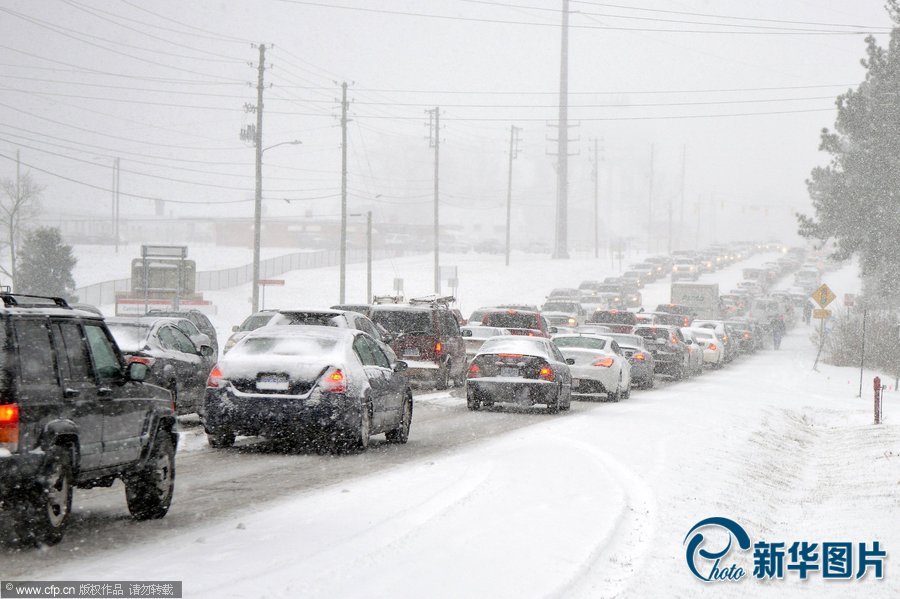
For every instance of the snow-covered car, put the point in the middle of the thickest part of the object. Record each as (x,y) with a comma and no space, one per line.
(667,345)
(598,366)
(724,332)
(521,370)
(711,345)
(695,352)
(475,336)
(571,309)
(295,382)
(251,323)
(635,350)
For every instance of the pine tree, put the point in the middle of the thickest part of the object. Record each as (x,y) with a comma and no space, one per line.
(45,264)
(856,197)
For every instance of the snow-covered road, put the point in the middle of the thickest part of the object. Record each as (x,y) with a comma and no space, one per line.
(505,503)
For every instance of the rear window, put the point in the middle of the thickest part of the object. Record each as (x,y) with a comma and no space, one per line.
(628,340)
(615,317)
(528,346)
(404,321)
(129,337)
(516,320)
(652,333)
(561,307)
(583,342)
(284,346)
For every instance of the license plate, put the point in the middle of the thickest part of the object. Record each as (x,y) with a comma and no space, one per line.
(411,352)
(272,382)
(509,371)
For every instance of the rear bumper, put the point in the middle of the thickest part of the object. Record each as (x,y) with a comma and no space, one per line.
(271,416)
(593,379)
(641,372)
(512,390)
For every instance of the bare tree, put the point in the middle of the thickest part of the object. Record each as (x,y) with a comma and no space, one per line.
(19,203)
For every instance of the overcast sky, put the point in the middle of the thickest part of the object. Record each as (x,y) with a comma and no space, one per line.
(162,86)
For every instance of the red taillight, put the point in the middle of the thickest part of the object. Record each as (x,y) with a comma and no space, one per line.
(604,362)
(674,340)
(438,347)
(148,362)
(516,356)
(746,334)
(546,373)
(9,426)
(474,371)
(686,321)
(214,378)
(712,346)
(334,381)
(724,338)
(640,356)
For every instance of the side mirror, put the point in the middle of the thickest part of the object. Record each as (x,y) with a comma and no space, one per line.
(689,342)
(553,330)
(235,329)
(570,361)
(206,351)
(400,366)
(136,371)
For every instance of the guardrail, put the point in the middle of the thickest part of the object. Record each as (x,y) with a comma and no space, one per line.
(214,280)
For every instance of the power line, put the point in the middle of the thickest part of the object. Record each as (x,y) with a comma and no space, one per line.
(212,34)
(555,25)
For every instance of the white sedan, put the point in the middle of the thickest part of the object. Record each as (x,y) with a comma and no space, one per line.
(713,346)
(599,365)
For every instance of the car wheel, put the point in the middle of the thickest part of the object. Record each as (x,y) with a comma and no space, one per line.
(149,491)
(553,405)
(460,379)
(473,400)
(614,395)
(401,433)
(627,392)
(443,377)
(220,439)
(650,383)
(566,405)
(42,517)
(360,438)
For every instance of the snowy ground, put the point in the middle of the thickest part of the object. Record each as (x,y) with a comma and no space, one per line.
(595,503)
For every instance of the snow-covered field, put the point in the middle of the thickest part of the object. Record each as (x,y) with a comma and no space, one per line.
(594,503)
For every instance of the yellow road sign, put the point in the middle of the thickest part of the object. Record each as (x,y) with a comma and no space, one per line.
(823,295)
(822,314)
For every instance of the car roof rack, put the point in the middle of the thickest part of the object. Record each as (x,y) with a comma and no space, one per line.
(433,300)
(387,299)
(12,300)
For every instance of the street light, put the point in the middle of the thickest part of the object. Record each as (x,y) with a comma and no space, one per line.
(257,217)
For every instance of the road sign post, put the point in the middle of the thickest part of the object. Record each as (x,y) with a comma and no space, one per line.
(265,283)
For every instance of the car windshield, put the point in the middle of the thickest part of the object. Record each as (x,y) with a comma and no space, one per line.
(255,321)
(585,342)
(513,320)
(404,321)
(322,319)
(628,340)
(284,346)
(480,332)
(129,337)
(614,317)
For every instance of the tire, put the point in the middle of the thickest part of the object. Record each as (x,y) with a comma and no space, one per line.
(220,439)
(443,378)
(149,491)
(614,395)
(401,433)
(473,400)
(554,405)
(460,380)
(42,517)
(359,441)
(567,405)
(627,393)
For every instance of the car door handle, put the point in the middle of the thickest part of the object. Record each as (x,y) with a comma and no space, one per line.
(104,391)
(70,393)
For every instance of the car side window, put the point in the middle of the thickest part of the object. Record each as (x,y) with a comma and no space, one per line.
(77,363)
(557,355)
(36,362)
(105,357)
(166,338)
(449,325)
(377,354)
(187,327)
(616,349)
(366,326)
(183,343)
(363,350)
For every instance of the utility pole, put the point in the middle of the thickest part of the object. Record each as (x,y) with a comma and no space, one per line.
(368,256)
(561,249)
(434,139)
(595,174)
(257,204)
(513,152)
(116,208)
(650,204)
(343,293)
(681,206)
(12,226)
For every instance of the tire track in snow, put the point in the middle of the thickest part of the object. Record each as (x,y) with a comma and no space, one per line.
(606,570)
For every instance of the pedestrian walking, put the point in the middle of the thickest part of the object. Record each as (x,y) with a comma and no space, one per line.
(778,331)
(807,312)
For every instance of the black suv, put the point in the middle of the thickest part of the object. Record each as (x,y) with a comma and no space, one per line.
(426,335)
(669,348)
(73,413)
